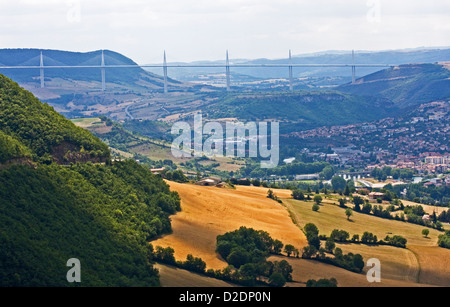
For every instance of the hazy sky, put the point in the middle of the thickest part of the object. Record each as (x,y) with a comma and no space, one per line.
(203,29)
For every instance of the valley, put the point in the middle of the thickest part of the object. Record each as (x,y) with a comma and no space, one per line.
(210,211)
(382,140)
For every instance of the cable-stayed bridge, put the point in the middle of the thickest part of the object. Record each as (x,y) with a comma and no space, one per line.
(165,66)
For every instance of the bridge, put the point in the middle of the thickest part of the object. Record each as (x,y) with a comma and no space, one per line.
(354,175)
(102,66)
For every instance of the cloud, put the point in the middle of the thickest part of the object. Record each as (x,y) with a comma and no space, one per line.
(203,29)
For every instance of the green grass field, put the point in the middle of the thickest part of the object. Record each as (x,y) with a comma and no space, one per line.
(86,122)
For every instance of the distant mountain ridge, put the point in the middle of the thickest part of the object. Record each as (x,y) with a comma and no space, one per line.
(405,85)
(31,57)
(74,92)
(391,57)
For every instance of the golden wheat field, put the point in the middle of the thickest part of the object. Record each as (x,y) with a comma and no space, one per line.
(304,269)
(175,277)
(210,211)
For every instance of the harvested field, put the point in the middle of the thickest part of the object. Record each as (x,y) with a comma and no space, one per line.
(434,264)
(175,277)
(332,217)
(209,211)
(303,270)
(396,263)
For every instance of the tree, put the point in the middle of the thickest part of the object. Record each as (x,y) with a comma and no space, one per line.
(369,238)
(284,268)
(165,255)
(194,264)
(313,240)
(327,173)
(348,213)
(342,202)
(358,262)
(224,248)
(277,246)
(367,208)
(277,280)
(318,199)
(347,190)
(425,232)
(339,235)
(358,201)
(308,252)
(330,245)
(322,283)
(311,229)
(238,257)
(289,249)
(315,207)
(298,195)
(338,183)
(249,271)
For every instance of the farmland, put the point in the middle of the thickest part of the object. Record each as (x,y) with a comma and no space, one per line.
(211,211)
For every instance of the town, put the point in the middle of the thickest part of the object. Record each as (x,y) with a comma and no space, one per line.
(419,142)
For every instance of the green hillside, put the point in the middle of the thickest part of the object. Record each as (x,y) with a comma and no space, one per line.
(44,131)
(11,148)
(102,214)
(307,108)
(406,85)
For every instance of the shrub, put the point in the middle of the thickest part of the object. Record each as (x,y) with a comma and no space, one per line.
(277,280)
(322,283)
(444,239)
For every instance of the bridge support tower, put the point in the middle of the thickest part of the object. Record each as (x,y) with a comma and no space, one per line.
(166,90)
(42,77)
(103,72)
(228,73)
(291,79)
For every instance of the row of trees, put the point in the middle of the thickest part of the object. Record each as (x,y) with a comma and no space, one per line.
(343,236)
(247,250)
(419,193)
(444,239)
(167,256)
(383,173)
(253,170)
(411,214)
(314,250)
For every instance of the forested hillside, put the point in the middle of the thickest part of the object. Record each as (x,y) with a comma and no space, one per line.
(44,131)
(11,148)
(103,214)
(306,109)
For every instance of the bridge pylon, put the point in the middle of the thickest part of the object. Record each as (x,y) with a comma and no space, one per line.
(103,72)
(291,79)
(353,68)
(228,73)
(41,65)
(166,90)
